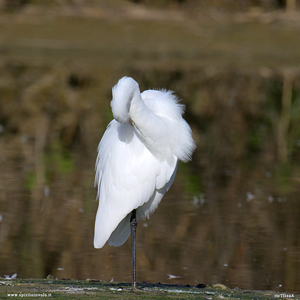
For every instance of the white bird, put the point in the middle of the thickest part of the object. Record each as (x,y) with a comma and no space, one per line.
(137,160)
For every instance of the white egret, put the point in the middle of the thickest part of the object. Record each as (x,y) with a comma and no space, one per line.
(137,160)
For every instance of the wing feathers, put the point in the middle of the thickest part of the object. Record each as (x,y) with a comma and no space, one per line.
(127,176)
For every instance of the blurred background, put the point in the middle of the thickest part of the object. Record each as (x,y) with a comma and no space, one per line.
(233,213)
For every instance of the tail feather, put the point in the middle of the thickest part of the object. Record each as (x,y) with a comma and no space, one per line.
(121,233)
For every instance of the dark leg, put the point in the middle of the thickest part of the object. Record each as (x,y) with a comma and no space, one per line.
(133,225)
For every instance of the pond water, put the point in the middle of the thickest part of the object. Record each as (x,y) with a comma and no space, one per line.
(232,214)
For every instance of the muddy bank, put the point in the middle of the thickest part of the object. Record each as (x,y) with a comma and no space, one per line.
(75,289)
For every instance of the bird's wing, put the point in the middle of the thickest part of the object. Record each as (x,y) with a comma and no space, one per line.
(120,235)
(127,175)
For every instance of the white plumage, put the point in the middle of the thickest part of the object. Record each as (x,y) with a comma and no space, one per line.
(137,157)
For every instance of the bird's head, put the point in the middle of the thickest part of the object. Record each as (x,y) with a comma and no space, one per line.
(122,93)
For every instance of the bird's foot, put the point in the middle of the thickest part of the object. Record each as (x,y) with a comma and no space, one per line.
(135,289)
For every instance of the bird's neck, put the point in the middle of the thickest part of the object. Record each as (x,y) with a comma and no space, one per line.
(138,108)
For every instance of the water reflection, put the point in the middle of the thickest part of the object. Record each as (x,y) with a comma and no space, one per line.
(232,215)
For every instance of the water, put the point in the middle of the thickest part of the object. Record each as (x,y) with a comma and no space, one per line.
(232,215)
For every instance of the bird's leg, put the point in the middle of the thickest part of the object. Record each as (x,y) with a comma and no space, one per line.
(133,225)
